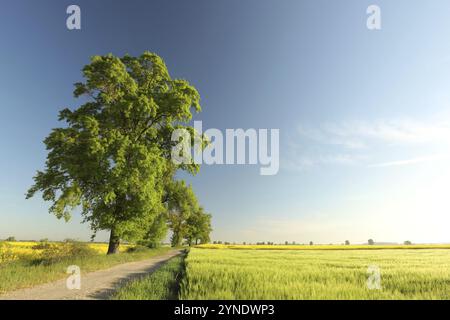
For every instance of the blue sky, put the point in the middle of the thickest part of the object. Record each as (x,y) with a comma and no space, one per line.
(364,115)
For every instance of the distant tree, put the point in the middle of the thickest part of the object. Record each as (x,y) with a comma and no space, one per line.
(244,243)
(219,242)
(112,153)
(371,242)
(11,239)
(407,243)
(286,243)
(182,203)
(198,227)
(311,243)
(347,242)
(293,242)
(157,231)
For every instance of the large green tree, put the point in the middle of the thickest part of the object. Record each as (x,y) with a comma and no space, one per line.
(112,156)
(198,227)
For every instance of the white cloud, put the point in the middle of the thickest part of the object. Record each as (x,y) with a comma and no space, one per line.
(308,161)
(408,161)
(357,142)
(357,134)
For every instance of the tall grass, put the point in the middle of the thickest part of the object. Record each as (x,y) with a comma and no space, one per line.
(163,284)
(315,274)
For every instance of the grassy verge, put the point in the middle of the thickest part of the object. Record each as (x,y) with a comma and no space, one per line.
(30,272)
(163,284)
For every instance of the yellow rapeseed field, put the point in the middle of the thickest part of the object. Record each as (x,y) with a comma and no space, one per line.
(27,249)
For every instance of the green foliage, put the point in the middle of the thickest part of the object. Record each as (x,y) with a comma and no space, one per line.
(137,248)
(347,242)
(112,156)
(57,252)
(182,203)
(157,231)
(407,243)
(198,227)
(11,239)
(371,242)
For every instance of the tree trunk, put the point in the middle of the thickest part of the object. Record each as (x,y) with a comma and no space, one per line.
(114,242)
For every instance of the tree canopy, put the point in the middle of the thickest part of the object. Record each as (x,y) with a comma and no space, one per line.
(112,157)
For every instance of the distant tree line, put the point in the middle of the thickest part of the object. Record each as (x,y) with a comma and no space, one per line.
(346,242)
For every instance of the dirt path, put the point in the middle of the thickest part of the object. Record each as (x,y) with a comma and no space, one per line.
(94,285)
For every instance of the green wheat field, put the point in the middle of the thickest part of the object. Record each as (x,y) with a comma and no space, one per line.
(315,274)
